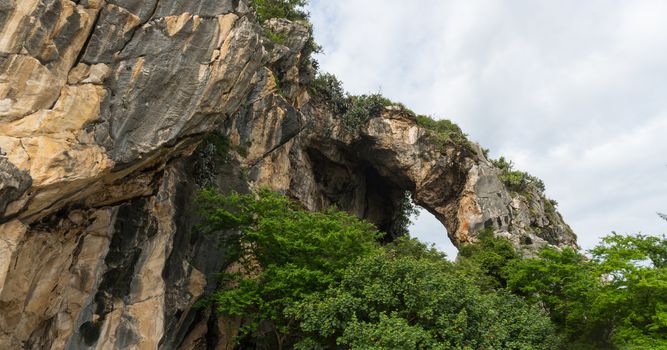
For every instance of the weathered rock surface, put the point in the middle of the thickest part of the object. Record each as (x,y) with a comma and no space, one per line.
(367,171)
(102,107)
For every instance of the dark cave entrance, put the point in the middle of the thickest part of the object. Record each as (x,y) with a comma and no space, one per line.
(356,186)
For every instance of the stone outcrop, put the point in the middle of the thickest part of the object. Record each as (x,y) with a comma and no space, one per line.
(312,156)
(103,107)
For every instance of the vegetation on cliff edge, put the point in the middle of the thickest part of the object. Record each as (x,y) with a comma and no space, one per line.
(355,110)
(516,180)
(287,9)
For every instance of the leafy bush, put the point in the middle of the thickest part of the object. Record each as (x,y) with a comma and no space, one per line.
(490,258)
(516,180)
(330,89)
(562,281)
(288,9)
(442,130)
(284,252)
(389,301)
(319,280)
(361,108)
(412,247)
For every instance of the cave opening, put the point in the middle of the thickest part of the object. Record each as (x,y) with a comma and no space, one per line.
(428,229)
(356,186)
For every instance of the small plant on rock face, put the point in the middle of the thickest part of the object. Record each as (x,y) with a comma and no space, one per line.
(516,180)
(275,37)
(219,143)
(288,9)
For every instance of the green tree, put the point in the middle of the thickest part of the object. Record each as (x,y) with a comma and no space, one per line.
(634,293)
(285,253)
(616,300)
(488,259)
(565,283)
(390,300)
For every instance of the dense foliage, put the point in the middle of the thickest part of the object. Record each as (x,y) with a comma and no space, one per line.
(395,301)
(281,254)
(617,299)
(488,260)
(319,280)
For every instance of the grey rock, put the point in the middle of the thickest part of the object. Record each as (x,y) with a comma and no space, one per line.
(13,183)
(142,9)
(110,34)
(195,7)
(166,87)
(6,8)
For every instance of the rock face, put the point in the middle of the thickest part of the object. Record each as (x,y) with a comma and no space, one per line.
(103,105)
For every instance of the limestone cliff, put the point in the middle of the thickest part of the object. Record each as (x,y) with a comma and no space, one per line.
(103,109)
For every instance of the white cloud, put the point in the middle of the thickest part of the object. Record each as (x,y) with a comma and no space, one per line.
(574,92)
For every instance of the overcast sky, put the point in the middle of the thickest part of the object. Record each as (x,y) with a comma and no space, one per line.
(574,92)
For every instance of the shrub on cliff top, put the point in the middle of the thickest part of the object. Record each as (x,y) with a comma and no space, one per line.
(363,107)
(330,89)
(442,130)
(516,180)
(288,9)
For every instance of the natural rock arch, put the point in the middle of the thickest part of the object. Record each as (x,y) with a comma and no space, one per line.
(322,162)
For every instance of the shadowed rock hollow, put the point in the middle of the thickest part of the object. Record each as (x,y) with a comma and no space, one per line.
(103,105)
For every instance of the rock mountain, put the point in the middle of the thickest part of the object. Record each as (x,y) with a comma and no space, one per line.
(106,112)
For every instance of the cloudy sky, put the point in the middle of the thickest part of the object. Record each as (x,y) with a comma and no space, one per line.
(574,92)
